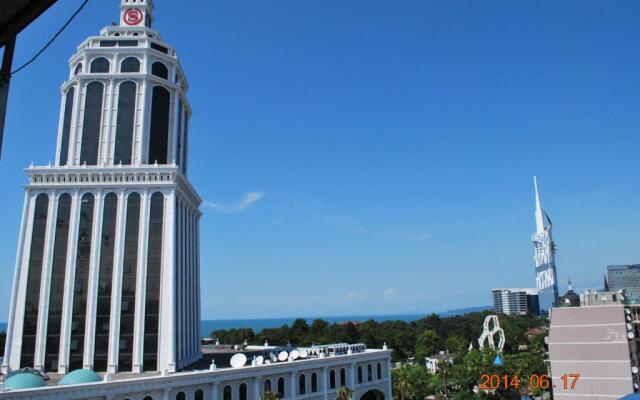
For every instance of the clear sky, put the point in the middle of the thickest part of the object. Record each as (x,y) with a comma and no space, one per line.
(368,157)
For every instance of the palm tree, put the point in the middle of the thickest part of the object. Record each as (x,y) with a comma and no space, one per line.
(269,395)
(344,393)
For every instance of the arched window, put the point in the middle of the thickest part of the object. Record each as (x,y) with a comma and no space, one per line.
(159,130)
(66,125)
(125,123)
(147,398)
(57,282)
(242,391)
(379,370)
(332,379)
(199,395)
(33,280)
(281,391)
(181,396)
(100,65)
(226,393)
(154,263)
(359,373)
(369,373)
(160,70)
(266,386)
(130,64)
(314,382)
(343,377)
(302,384)
(129,274)
(91,125)
(81,281)
(78,69)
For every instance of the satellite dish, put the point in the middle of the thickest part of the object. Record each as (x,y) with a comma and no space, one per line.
(626,310)
(259,360)
(294,354)
(273,357)
(629,326)
(630,335)
(304,353)
(634,369)
(283,355)
(238,360)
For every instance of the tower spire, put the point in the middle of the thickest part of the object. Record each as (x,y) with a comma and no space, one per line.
(539,212)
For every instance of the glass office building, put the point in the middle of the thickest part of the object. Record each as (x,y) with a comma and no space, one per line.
(627,278)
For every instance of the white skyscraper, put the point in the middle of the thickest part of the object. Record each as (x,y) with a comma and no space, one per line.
(544,257)
(107,267)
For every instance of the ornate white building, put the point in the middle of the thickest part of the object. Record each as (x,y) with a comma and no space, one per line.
(107,268)
(545,258)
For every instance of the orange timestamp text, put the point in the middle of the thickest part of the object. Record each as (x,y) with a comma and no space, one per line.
(495,381)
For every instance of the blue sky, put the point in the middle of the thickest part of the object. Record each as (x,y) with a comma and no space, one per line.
(361,157)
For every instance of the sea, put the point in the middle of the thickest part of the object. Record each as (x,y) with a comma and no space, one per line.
(258,324)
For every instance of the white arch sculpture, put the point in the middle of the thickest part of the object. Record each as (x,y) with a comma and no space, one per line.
(489,332)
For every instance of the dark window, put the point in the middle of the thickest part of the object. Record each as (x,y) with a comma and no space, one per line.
(32,298)
(105,275)
(199,395)
(343,377)
(154,267)
(159,131)
(148,398)
(332,379)
(160,70)
(100,65)
(226,393)
(66,125)
(369,373)
(159,48)
(58,269)
(314,382)
(125,123)
(81,283)
(359,374)
(379,370)
(91,125)
(78,69)
(119,43)
(242,391)
(130,64)
(281,391)
(129,272)
(181,396)
(302,384)
(267,386)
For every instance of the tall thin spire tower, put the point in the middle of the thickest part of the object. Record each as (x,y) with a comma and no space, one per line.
(544,256)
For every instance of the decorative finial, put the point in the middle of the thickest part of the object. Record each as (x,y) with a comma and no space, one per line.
(384,346)
(217,342)
(266,344)
(213,366)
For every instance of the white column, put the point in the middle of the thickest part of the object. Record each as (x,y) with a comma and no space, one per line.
(94,274)
(45,282)
(116,285)
(190,291)
(8,362)
(198,305)
(179,280)
(352,376)
(167,335)
(324,383)
(292,385)
(141,283)
(108,110)
(256,387)
(213,391)
(69,283)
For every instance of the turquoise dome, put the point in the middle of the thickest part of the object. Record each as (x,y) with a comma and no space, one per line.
(24,380)
(80,376)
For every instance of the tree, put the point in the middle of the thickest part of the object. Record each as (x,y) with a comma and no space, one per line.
(344,393)
(427,344)
(269,395)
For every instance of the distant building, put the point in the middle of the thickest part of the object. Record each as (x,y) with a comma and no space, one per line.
(569,299)
(598,343)
(432,363)
(627,278)
(515,301)
(545,250)
(594,298)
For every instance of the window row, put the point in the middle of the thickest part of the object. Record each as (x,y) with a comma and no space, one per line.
(102,65)
(125,124)
(78,287)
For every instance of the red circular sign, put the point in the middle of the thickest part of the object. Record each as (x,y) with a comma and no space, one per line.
(132,16)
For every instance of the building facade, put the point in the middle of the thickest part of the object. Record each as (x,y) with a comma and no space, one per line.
(545,259)
(627,278)
(515,301)
(600,343)
(107,267)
